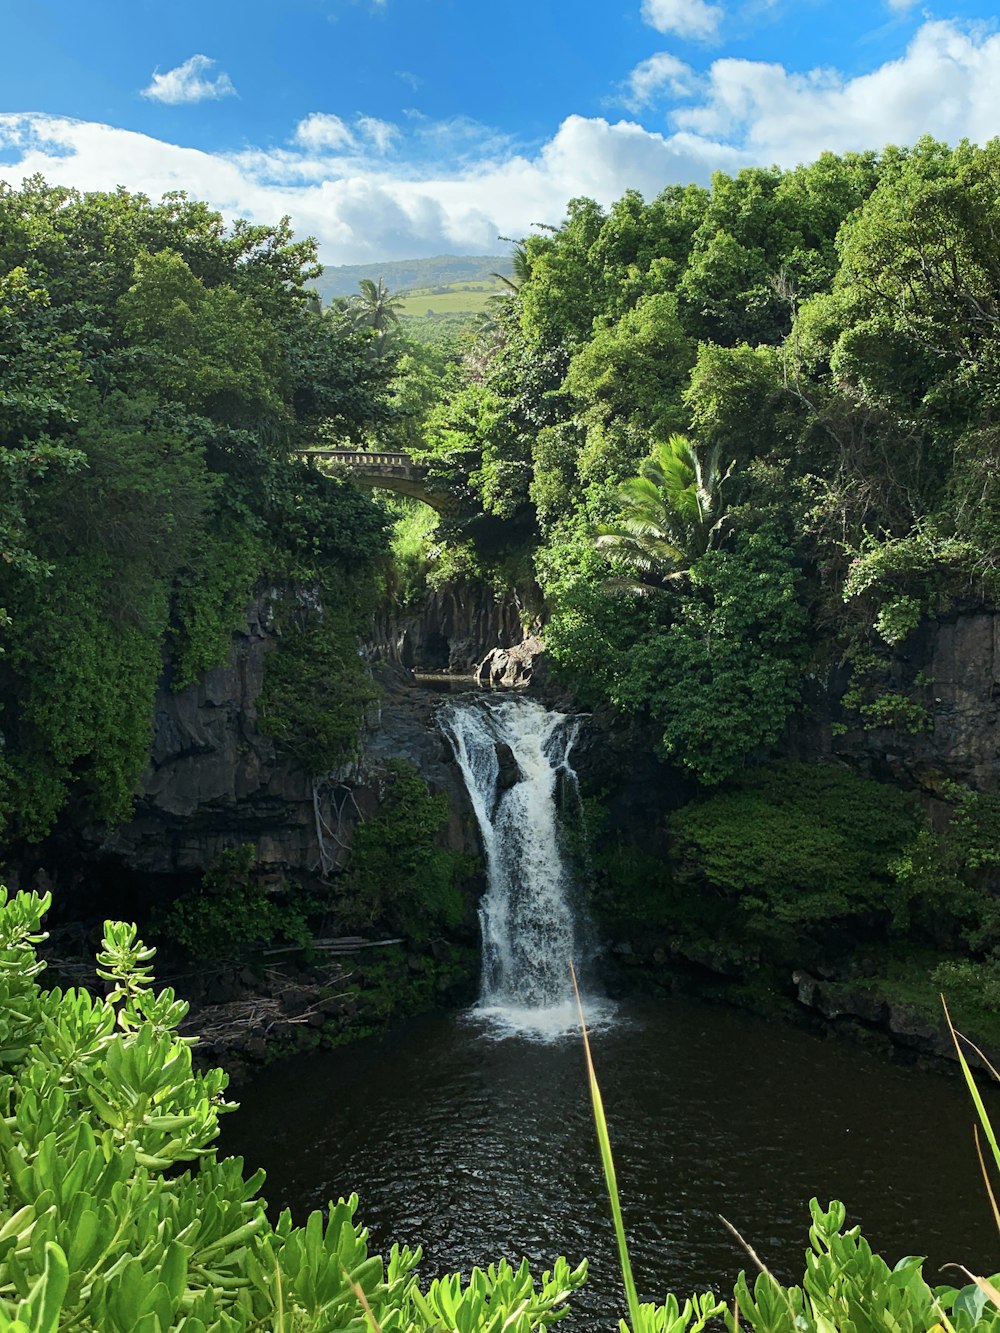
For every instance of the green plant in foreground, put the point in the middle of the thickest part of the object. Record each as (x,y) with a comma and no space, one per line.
(845,1288)
(667,1318)
(116,1215)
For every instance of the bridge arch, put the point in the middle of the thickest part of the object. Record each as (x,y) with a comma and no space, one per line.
(388,471)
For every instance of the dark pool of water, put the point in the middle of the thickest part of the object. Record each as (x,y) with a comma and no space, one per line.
(479,1148)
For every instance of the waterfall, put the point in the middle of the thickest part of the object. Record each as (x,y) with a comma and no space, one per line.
(515,757)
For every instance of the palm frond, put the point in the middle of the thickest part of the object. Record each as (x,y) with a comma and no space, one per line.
(668,513)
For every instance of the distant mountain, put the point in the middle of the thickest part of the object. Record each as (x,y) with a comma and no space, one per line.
(402,275)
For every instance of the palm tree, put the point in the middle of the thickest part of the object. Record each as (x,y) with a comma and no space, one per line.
(669,515)
(520,264)
(375,308)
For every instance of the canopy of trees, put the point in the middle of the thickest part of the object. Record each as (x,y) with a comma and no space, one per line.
(833,333)
(157,369)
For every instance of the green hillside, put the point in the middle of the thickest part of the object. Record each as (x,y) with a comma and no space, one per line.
(404,275)
(450,299)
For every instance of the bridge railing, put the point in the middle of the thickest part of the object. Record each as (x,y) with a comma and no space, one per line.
(362,458)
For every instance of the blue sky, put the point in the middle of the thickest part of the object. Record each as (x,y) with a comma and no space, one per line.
(397,128)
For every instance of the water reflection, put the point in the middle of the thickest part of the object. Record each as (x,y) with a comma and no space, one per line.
(480,1148)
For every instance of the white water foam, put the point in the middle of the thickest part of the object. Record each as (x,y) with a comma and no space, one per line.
(531,928)
(554,1022)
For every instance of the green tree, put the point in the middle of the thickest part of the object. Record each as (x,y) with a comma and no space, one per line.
(158,367)
(377,309)
(627,382)
(669,514)
(722,678)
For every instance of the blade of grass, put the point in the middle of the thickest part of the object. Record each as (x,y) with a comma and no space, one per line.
(761,1265)
(610,1179)
(359,1292)
(986,1176)
(973,1047)
(977,1100)
(279,1303)
(749,1249)
(943,1320)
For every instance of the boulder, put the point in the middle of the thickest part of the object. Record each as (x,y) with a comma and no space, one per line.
(511,668)
(509,774)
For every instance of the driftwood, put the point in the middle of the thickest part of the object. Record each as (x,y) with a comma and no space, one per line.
(344,944)
(229,1024)
(243,1027)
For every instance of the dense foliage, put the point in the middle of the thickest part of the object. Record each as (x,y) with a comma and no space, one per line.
(158,368)
(826,340)
(811,867)
(792,862)
(399,874)
(117,1216)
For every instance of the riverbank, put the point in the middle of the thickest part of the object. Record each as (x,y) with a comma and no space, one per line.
(247,1014)
(900,1018)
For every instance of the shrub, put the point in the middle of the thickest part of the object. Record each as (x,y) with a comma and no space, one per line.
(798,845)
(116,1215)
(231,912)
(399,874)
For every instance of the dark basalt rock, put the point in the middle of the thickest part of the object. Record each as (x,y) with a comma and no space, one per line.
(452,630)
(510,771)
(215,781)
(951,667)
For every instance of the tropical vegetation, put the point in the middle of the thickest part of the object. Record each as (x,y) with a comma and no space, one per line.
(821,339)
(160,370)
(118,1216)
(735,445)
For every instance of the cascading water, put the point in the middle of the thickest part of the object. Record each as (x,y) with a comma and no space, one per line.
(514,754)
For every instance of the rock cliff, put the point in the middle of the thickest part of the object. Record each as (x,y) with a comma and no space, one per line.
(950,669)
(453,629)
(214,780)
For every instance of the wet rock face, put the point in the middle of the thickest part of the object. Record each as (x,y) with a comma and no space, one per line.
(509,771)
(615,761)
(406,727)
(958,661)
(452,631)
(964,670)
(215,781)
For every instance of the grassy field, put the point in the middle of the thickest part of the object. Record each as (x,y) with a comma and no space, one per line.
(455,298)
(408,274)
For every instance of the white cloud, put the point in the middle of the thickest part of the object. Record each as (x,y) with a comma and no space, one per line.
(945,84)
(320,130)
(653,78)
(358,212)
(189,83)
(684,18)
(364,207)
(381,134)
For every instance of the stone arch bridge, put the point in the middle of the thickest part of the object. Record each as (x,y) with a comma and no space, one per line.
(390,472)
